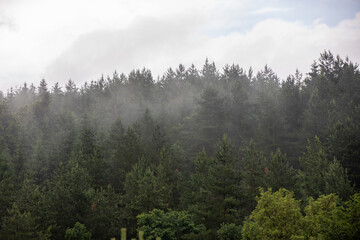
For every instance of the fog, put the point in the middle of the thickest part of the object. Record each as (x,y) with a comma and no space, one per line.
(203,119)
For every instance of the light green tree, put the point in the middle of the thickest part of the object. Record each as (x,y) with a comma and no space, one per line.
(353,215)
(324,219)
(276,216)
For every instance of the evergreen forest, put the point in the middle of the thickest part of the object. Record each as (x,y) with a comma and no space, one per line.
(209,153)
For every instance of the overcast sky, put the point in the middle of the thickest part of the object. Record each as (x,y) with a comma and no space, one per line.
(82,39)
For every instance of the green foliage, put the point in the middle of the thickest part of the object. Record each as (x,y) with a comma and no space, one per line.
(224,182)
(114,154)
(143,193)
(291,102)
(253,172)
(229,232)
(313,163)
(78,232)
(21,225)
(210,120)
(337,180)
(4,166)
(7,196)
(68,198)
(315,157)
(353,215)
(217,180)
(276,216)
(280,173)
(324,219)
(343,141)
(199,190)
(89,155)
(31,198)
(268,127)
(106,214)
(316,114)
(142,190)
(171,225)
(168,179)
(320,176)
(66,157)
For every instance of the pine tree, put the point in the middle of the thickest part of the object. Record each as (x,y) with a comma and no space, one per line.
(210,119)
(337,180)
(131,148)
(114,154)
(266,100)
(106,214)
(253,174)
(220,179)
(209,73)
(21,225)
(89,155)
(142,192)
(343,142)
(281,174)
(313,164)
(69,198)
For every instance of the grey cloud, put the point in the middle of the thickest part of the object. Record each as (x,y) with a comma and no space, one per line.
(147,42)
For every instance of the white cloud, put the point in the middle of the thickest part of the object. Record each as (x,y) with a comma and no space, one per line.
(158,44)
(46,28)
(285,46)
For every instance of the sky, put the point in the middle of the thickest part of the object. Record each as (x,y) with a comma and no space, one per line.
(58,40)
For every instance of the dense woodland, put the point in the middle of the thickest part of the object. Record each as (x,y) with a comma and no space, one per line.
(195,154)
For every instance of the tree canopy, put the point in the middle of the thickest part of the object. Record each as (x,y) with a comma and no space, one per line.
(186,155)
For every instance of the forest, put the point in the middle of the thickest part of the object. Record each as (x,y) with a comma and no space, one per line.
(203,153)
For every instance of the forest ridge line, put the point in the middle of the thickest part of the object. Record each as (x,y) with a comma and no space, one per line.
(130,151)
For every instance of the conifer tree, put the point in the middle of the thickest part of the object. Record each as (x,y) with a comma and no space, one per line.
(89,155)
(253,171)
(281,174)
(68,198)
(142,192)
(313,164)
(219,180)
(337,180)
(114,154)
(21,225)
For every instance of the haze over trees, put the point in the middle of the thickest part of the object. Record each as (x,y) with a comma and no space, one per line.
(195,154)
